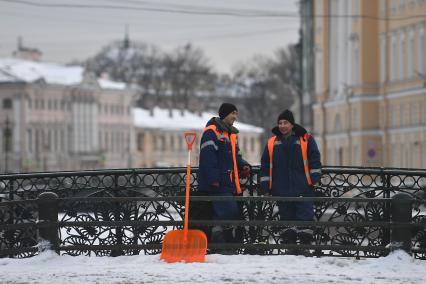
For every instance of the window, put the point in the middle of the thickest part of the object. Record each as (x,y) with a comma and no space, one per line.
(424,113)
(402,115)
(357,8)
(393,155)
(424,155)
(318,71)
(383,58)
(393,57)
(393,7)
(356,157)
(30,140)
(48,142)
(413,113)
(163,143)
(402,56)
(394,116)
(410,54)
(339,156)
(382,7)
(421,52)
(333,49)
(63,141)
(337,124)
(7,139)
(402,4)
(7,103)
(106,141)
(319,11)
(172,142)
(140,143)
(356,68)
(55,140)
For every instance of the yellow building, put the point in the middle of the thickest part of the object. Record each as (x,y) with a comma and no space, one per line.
(370,84)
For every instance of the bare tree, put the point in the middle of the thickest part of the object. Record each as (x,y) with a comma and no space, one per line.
(187,72)
(269,87)
(133,63)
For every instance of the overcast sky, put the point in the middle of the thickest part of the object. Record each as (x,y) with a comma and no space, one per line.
(228,31)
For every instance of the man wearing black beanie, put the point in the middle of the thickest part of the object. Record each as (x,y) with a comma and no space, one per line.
(295,170)
(220,168)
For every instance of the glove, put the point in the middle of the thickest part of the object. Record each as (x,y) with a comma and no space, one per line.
(215,186)
(245,172)
(263,191)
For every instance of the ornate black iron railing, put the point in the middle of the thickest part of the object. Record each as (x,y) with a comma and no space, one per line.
(114,212)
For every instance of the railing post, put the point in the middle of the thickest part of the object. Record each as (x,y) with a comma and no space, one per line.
(401,208)
(48,211)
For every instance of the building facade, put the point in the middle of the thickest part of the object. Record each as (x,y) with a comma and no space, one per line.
(55,117)
(370,82)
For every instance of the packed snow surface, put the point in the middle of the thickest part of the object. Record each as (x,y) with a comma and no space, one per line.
(50,268)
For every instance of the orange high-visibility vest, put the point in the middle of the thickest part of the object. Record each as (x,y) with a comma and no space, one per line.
(304,147)
(233,140)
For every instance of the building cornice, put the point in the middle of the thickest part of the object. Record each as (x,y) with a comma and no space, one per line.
(406,93)
(406,129)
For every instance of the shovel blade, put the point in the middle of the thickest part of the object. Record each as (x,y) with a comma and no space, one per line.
(178,247)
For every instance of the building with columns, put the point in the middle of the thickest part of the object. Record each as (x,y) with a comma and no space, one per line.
(370,82)
(56,117)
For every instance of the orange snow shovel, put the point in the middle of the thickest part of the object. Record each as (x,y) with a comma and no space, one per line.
(185,245)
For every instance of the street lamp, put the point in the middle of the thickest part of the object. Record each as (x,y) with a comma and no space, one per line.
(7,135)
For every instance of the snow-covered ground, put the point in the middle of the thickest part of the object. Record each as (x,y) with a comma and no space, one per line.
(50,268)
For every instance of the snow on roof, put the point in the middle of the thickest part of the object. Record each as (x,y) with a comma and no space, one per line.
(13,70)
(175,119)
(107,84)
(7,77)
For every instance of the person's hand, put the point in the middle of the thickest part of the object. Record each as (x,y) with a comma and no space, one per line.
(215,186)
(245,172)
(263,191)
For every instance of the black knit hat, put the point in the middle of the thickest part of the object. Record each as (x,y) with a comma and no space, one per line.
(225,109)
(286,115)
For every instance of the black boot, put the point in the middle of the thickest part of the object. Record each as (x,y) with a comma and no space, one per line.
(305,237)
(289,236)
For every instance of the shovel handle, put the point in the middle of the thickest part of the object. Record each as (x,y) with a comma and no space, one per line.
(188,181)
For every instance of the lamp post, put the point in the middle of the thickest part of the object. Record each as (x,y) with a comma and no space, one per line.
(7,135)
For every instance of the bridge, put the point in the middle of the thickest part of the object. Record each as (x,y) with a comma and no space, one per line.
(359,212)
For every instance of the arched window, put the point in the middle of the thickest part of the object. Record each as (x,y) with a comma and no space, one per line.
(338,124)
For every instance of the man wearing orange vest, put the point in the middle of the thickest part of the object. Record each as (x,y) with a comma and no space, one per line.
(290,167)
(220,168)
